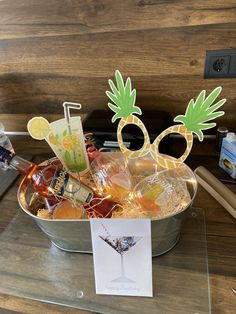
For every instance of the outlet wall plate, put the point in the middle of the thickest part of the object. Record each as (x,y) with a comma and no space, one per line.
(220,64)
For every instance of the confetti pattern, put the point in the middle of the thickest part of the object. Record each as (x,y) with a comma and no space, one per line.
(121,244)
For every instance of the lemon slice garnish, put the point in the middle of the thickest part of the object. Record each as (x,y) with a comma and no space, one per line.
(70,141)
(38,128)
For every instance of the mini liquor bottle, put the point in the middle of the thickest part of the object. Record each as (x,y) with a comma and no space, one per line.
(50,180)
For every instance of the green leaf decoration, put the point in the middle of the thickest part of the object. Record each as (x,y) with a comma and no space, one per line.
(123,98)
(67,157)
(201,111)
(64,133)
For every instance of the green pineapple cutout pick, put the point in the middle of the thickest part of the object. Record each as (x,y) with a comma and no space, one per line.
(201,111)
(198,117)
(123,97)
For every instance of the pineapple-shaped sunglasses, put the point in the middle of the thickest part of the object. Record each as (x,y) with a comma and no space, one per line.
(195,120)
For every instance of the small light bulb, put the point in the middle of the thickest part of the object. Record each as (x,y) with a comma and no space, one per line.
(131,196)
(49,189)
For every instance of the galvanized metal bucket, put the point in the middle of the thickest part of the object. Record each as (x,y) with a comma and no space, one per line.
(75,235)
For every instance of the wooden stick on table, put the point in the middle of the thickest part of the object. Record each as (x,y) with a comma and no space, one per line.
(217,189)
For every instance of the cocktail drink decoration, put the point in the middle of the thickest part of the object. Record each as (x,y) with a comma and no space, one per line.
(65,137)
(196,119)
(121,244)
(75,156)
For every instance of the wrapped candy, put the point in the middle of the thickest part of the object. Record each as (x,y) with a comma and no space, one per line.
(67,210)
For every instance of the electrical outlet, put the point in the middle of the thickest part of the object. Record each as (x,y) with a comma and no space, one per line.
(220,64)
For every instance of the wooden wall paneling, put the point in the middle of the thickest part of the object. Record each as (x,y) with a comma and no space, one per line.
(52,51)
(107,15)
(18,122)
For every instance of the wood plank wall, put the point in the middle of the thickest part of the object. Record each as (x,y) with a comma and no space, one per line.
(57,50)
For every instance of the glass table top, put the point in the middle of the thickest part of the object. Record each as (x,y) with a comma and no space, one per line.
(32,267)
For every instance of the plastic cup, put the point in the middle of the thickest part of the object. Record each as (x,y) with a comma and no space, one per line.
(166,192)
(112,177)
(67,142)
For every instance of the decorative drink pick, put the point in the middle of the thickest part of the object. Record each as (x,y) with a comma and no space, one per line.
(65,137)
(78,153)
(124,98)
(195,120)
(49,181)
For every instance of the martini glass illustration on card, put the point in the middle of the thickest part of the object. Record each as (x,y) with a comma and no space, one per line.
(121,244)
